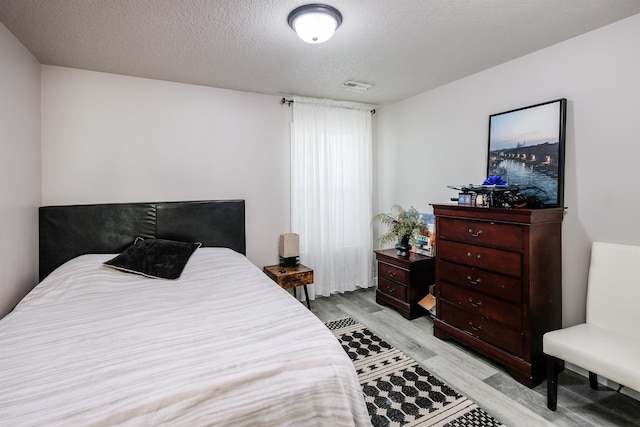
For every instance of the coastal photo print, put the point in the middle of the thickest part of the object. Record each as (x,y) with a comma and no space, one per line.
(526,148)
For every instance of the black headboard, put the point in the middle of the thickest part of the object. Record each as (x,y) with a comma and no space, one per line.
(69,231)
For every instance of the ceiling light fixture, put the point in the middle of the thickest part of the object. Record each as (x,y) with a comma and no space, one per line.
(315,23)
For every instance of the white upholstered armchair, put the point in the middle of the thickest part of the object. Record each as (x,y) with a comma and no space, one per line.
(608,343)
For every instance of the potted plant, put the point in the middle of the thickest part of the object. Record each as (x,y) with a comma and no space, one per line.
(402,226)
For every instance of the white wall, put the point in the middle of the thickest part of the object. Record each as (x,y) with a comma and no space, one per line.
(19,170)
(439,138)
(109,138)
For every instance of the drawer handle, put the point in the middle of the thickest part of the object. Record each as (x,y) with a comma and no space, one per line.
(391,273)
(469,255)
(477,234)
(390,290)
(296,279)
(474,327)
(475,304)
(474,282)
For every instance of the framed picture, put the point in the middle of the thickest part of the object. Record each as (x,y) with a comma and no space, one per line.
(526,149)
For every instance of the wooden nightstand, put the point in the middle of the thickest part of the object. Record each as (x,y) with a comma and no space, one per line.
(291,277)
(403,281)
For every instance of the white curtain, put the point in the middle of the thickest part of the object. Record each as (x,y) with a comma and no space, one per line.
(331,192)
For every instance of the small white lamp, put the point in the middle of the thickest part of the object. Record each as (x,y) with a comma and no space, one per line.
(315,23)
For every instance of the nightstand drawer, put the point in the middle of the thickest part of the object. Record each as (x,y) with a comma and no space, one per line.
(292,280)
(389,272)
(392,289)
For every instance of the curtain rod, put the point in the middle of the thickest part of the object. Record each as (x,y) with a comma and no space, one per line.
(290,101)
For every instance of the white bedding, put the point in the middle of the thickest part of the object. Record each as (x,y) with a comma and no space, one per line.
(223,345)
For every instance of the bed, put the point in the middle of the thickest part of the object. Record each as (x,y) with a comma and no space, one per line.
(220,345)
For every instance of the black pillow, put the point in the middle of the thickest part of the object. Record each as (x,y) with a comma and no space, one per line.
(156,258)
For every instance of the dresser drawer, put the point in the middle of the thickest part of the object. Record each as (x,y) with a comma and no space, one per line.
(504,262)
(504,287)
(389,272)
(501,336)
(485,233)
(393,289)
(483,305)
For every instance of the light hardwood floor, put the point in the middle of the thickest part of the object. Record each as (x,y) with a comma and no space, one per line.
(479,379)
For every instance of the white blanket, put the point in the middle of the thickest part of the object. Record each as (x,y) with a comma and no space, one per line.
(223,345)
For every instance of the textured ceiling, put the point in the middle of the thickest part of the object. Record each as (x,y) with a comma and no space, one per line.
(402,47)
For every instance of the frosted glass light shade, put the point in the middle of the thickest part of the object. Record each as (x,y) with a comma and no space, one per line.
(315,27)
(315,23)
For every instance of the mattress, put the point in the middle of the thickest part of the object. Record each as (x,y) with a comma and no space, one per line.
(222,345)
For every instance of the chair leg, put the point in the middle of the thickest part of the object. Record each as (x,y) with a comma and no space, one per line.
(552,382)
(593,380)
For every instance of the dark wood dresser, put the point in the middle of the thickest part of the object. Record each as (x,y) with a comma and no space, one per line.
(499,282)
(404,281)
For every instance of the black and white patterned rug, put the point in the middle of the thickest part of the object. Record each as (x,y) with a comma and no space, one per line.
(397,390)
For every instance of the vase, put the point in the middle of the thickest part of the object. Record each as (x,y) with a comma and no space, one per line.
(403,247)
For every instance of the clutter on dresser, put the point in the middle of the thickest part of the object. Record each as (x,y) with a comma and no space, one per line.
(496,192)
